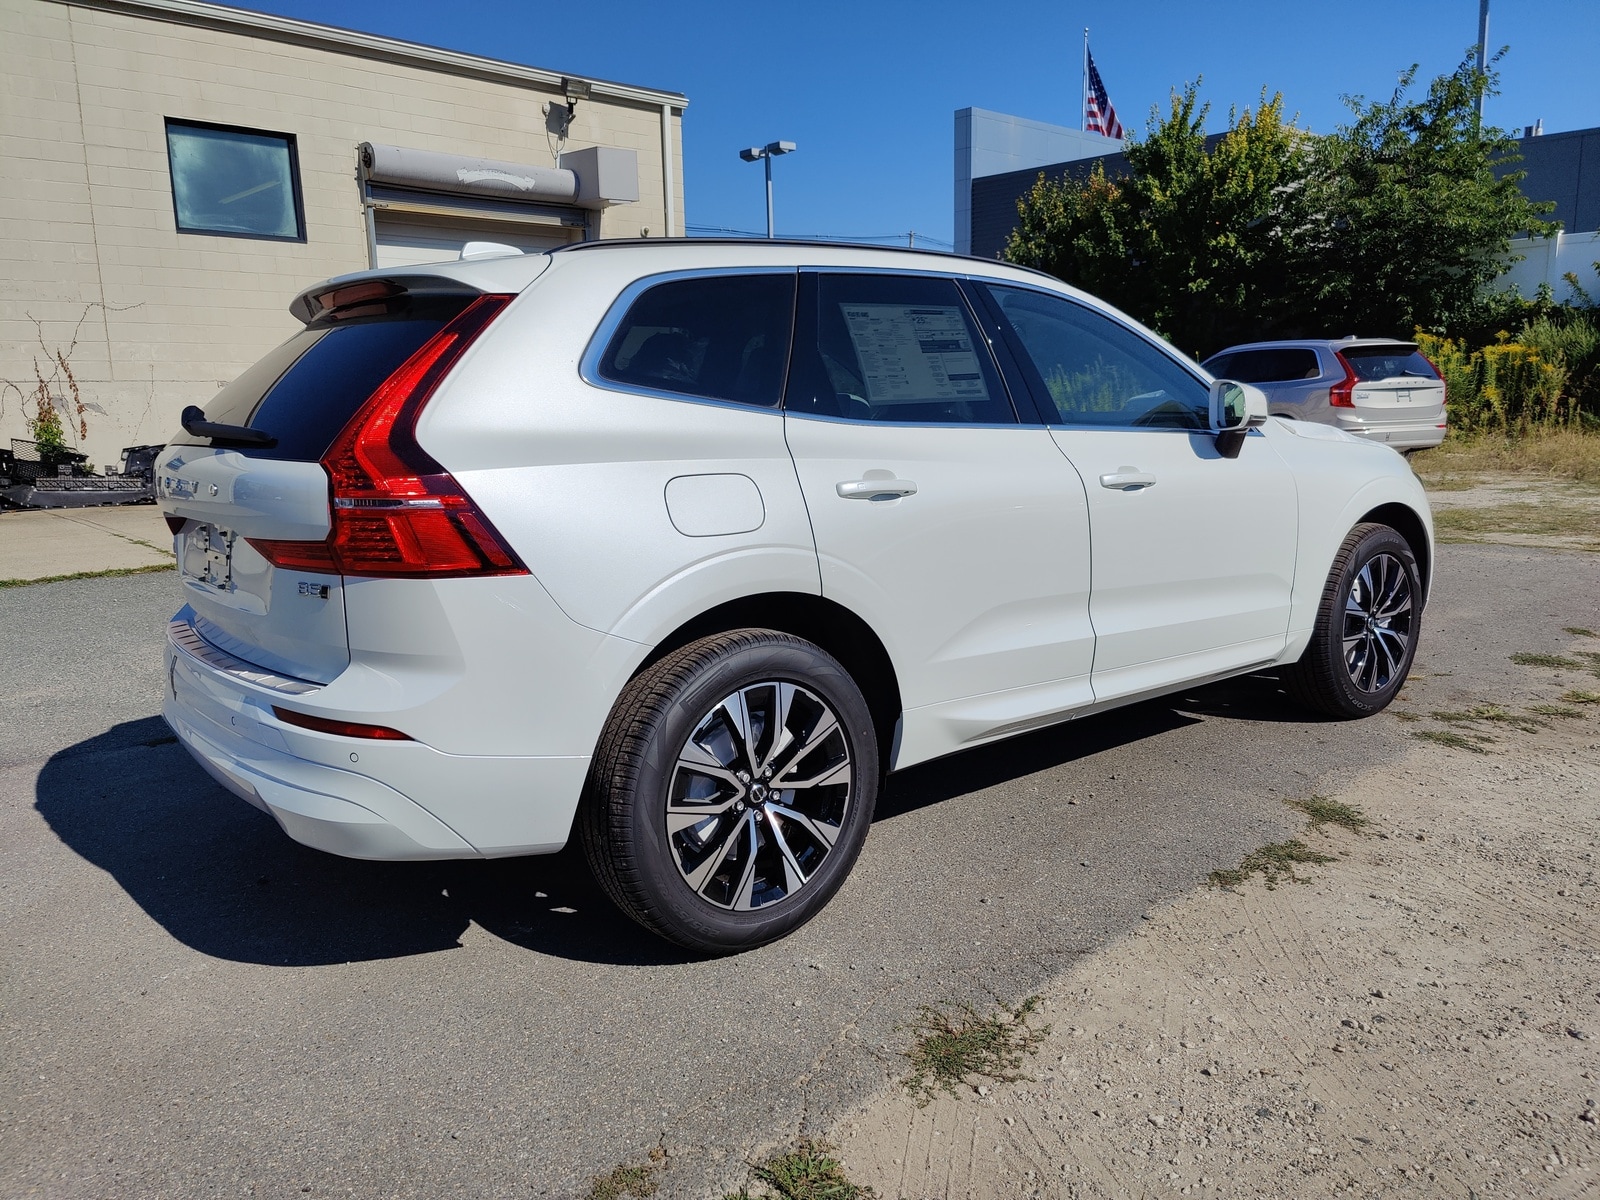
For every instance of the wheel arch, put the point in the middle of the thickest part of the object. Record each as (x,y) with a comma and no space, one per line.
(1405,521)
(818,620)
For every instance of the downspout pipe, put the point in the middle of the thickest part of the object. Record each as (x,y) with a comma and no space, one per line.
(668,182)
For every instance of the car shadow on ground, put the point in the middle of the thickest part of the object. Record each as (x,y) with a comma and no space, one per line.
(222,878)
(1247,698)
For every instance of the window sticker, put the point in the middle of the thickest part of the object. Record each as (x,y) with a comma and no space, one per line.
(911,354)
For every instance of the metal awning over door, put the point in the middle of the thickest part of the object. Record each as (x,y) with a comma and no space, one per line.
(423,206)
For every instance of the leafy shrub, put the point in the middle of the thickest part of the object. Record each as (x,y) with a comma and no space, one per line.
(1511,386)
(1575,344)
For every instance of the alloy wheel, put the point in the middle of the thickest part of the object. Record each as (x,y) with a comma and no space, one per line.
(1377,623)
(759,796)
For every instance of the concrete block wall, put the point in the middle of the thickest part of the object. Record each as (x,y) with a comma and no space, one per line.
(89,249)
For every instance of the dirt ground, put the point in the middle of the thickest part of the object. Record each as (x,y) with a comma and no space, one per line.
(1420,1018)
(1516,510)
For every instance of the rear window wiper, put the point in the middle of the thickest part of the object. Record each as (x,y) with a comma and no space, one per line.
(194,422)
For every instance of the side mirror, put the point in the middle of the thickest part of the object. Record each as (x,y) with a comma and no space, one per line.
(1236,408)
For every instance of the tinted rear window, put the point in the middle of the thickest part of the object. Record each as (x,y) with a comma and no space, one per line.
(306,391)
(721,338)
(1278,365)
(1371,363)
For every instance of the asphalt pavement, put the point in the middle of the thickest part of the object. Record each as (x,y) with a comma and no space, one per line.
(193,1005)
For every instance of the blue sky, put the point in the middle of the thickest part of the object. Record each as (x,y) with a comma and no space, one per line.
(868,89)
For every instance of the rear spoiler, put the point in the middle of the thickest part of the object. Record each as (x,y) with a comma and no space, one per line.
(338,299)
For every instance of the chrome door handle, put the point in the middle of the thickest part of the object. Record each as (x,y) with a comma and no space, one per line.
(876,489)
(1127,481)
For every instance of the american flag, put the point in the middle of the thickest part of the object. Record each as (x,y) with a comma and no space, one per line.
(1100,117)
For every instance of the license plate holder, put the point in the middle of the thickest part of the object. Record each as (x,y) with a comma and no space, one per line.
(208,556)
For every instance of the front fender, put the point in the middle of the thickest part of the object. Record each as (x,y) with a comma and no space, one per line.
(1340,479)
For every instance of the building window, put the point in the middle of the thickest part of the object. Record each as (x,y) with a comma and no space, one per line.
(234,182)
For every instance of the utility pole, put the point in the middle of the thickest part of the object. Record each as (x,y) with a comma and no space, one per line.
(911,240)
(1483,53)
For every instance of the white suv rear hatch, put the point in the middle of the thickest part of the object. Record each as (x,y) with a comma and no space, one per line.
(237,508)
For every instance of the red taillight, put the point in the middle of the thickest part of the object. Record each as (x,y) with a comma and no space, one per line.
(396,512)
(1339,393)
(1444,388)
(354,729)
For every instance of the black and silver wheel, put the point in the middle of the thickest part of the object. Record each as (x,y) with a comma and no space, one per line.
(1366,628)
(732,790)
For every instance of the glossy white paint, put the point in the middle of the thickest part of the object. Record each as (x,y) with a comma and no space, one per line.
(1010,588)
(977,582)
(1192,570)
(256,612)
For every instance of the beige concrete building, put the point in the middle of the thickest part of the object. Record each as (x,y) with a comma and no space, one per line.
(173,172)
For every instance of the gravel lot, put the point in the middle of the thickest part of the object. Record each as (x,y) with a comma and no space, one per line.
(191,1005)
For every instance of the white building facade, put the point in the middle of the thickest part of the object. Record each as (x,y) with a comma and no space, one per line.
(173,172)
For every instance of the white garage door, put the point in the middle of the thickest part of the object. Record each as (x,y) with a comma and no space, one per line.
(407,241)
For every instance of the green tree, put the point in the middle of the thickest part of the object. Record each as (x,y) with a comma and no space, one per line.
(1409,223)
(1193,240)
(1394,221)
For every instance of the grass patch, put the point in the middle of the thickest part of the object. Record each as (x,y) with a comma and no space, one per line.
(1492,712)
(808,1172)
(153,567)
(1553,662)
(1323,811)
(1406,716)
(632,1182)
(1274,862)
(1560,711)
(1468,524)
(1579,696)
(1556,453)
(951,1045)
(1579,631)
(1457,741)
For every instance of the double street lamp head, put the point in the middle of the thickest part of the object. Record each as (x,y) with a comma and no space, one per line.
(756,153)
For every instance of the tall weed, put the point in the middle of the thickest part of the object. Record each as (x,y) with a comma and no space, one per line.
(1537,382)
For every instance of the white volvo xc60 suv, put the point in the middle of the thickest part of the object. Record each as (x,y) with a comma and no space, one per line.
(681,546)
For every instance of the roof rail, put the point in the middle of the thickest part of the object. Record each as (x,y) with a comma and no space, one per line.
(807,243)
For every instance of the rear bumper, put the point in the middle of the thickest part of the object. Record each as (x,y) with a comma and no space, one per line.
(362,798)
(1402,435)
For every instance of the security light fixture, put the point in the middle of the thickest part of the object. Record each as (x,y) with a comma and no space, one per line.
(766,154)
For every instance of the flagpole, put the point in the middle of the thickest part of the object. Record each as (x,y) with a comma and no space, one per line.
(1083,100)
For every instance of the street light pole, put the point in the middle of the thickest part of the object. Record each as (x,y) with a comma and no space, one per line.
(766,154)
(767,160)
(1483,53)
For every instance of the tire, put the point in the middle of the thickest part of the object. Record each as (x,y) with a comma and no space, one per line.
(1365,635)
(675,745)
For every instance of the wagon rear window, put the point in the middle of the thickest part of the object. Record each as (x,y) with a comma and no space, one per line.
(304,392)
(1371,363)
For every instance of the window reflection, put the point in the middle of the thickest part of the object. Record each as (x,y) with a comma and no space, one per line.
(233,181)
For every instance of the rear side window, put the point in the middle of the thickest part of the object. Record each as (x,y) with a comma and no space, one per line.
(306,390)
(1372,363)
(894,348)
(1278,365)
(717,338)
(1098,372)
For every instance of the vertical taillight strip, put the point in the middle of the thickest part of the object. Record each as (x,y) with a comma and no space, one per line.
(396,512)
